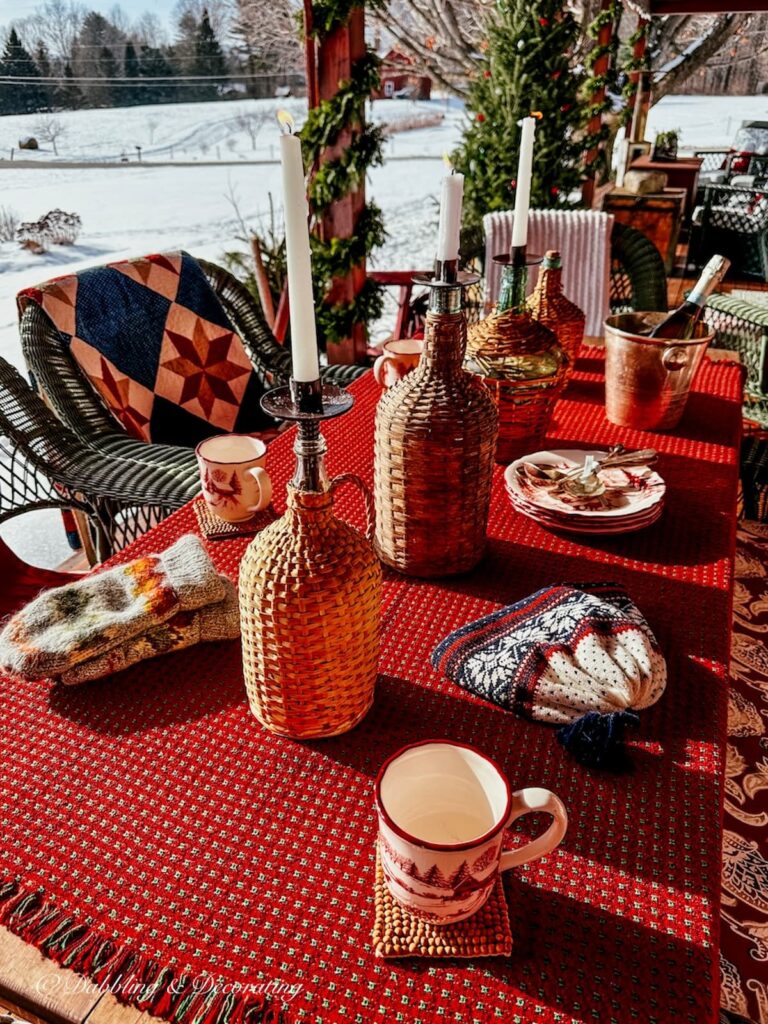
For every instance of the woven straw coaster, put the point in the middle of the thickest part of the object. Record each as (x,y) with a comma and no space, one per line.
(213,528)
(398,933)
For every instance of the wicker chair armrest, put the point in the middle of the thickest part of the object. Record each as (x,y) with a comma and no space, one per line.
(742,326)
(639,259)
(61,456)
(741,309)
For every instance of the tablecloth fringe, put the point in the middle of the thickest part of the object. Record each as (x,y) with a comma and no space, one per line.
(132,977)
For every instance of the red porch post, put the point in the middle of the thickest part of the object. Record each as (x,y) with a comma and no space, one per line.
(337,52)
(600,68)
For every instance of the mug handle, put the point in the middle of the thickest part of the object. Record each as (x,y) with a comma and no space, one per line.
(526,801)
(261,476)
(378,368)
(353,478)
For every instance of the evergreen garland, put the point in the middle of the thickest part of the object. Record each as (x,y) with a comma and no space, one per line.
(594,83)
(526,66)
(634,66)
(334,258)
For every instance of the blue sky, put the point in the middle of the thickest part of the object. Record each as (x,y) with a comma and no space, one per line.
(12,9)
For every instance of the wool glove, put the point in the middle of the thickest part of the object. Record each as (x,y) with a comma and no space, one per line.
(220,621)
(68,625)
(579,655)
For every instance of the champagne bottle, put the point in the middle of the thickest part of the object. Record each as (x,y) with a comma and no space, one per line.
(681,322)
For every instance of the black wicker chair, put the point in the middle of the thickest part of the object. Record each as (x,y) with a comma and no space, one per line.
(80,408)
(638,277)
(733,221)
(43,464)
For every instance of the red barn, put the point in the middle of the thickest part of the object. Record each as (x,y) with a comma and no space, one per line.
(400,80)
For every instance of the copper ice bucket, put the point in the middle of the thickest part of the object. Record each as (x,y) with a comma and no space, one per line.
(647,380)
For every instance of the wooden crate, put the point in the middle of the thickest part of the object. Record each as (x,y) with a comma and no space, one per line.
(658,215)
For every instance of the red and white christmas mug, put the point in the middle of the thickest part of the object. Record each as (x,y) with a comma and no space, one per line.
(443,808)
(234,481)
(397,359)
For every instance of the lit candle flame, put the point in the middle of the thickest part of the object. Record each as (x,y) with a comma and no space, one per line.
(447,163)
(285,121)
(537,113)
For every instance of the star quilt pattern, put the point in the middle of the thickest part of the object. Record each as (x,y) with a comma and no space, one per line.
(154,341)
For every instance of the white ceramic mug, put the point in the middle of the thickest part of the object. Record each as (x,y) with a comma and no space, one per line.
(235,483)
(396,360)
(443,808)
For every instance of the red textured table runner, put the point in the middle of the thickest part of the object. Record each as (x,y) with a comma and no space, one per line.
(153,810)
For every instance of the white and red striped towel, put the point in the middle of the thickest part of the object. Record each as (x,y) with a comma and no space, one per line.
(583,238)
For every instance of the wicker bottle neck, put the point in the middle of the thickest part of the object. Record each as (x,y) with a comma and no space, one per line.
(445,342)
(301,502)
(550,281)
(514,284)
(548,302)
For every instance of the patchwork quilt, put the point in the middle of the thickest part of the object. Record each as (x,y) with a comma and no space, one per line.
(154,341)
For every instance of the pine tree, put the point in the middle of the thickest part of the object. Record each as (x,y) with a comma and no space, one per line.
(43,62)
(23,97)
(526,67)
(70,94)
(156,63)
(108,69)
(209,60)
(132,94)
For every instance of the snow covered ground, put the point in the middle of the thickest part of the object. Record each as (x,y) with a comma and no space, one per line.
(131,208)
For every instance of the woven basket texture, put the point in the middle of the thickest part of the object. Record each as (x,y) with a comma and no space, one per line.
(434,445)
(530,373)
(397,933)
(310,593)
(552,308)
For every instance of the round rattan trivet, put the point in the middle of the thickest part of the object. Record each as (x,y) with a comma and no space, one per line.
(398,933)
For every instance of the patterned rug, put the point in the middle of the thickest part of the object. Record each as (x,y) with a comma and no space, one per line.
(744,913)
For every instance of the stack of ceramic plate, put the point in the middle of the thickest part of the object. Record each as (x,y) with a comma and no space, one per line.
(633,497)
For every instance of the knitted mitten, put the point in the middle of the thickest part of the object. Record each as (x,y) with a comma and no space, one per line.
(82,620)
(220,621)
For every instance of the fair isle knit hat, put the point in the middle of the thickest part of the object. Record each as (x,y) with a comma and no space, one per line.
(577,655)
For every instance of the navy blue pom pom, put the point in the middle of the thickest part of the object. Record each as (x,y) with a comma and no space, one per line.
(597,741)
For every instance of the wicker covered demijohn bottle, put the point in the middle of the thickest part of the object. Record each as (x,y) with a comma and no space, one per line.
(310,585)
(310,591)
(435,436)
(555,310)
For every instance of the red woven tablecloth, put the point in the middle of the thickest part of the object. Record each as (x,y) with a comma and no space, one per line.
(154,808)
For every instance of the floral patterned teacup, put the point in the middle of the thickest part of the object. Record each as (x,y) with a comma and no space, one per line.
(235,483)
(443,808)
(397,359)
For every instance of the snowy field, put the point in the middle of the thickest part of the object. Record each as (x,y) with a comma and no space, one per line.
(199,158)
(129,208)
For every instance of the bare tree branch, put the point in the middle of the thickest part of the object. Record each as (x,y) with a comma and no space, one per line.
(714,38)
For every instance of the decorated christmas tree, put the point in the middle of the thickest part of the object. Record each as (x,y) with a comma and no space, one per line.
(525,68)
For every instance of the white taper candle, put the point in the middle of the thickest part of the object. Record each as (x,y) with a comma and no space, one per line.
(306,366)
(523,188)
(450,218)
